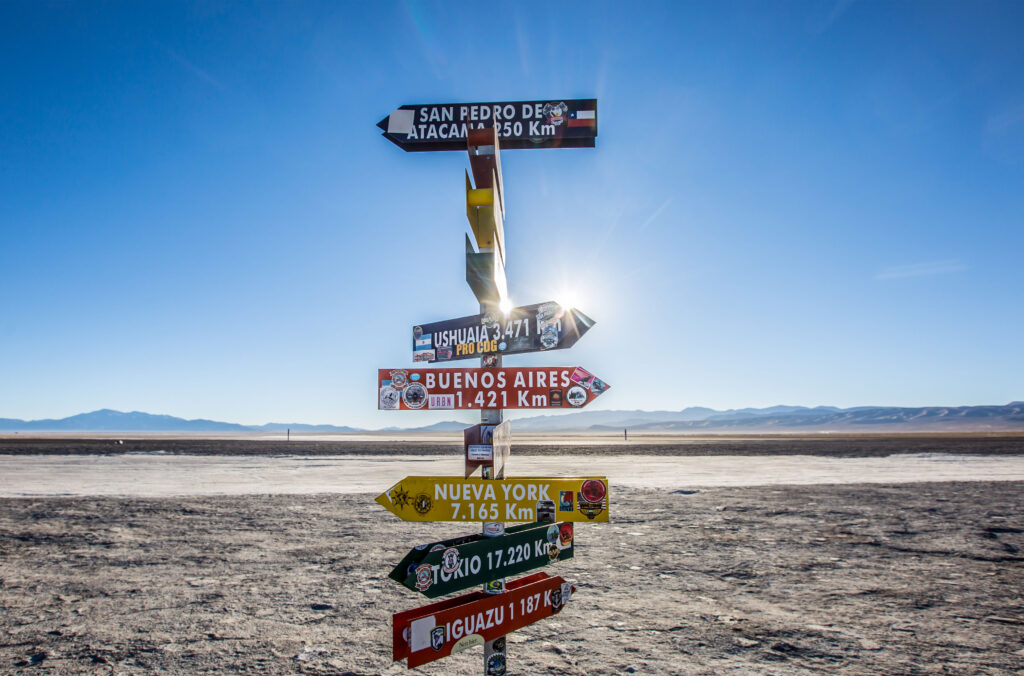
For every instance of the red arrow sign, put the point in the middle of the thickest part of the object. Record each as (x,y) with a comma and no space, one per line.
(447,627)
(468,388)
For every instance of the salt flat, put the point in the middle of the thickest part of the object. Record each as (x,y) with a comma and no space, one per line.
(159,475)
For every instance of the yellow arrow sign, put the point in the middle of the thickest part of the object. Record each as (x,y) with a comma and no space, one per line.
(452,498)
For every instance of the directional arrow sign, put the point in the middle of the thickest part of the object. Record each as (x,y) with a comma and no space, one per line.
(434,389)
(555,123)
(532,328)
(451,626)
(452,498)
(453,565)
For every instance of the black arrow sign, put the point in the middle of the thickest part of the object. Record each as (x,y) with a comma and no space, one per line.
(557,123)
(532,328)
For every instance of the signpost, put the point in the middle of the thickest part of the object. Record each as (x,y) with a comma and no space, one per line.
(547,499)
(554,123)
(549,506)
(454,565)
(532,328)
(433,389)
(440,629)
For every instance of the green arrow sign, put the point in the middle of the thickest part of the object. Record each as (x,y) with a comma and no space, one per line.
(453,565)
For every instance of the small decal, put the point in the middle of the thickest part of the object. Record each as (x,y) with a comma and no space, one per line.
(556,600)
(565,535)
(399,497)
(424,576)
(546,511)
(437,638)
(576,396)
(598,386)
(591,500)
(549,337)
(399,379)
(555,397)
(389,397)
(499,644)
(414,395)
(450,560)
(553,551)
(565,500)
(437,548)
(494,529)
(555,113)
(467,642)
(552,534)
(496,664)
(582,377)
(480,452)
(440,401)
(422,503)
(495,586)
(490,361)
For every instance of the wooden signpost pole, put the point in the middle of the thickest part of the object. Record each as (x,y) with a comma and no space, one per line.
(494,651)
(486,164)
(432,632)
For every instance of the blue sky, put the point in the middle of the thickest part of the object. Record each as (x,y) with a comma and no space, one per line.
(788,203)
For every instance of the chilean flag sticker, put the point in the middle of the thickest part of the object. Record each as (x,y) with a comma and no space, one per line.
(583,118)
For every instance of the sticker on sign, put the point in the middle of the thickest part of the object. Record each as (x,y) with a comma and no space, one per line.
(441,401)
(480,452)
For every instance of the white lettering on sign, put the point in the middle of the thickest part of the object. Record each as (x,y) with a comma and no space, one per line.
(441,401)
(480,452)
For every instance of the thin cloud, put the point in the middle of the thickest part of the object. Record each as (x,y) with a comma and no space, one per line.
(196,70)
(653,217)
(818,23)
(928,269)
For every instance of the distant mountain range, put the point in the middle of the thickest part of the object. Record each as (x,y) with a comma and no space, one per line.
(106,420)
(695,419)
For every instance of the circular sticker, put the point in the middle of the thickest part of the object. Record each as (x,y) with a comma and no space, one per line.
(593,490)
(415,395)
(496,665)
(399,378)
(552,534)
(576,396)
(389,398)
(450,560)
(422,504)
(423,575)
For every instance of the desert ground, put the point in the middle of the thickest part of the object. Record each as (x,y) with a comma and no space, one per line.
(812,564)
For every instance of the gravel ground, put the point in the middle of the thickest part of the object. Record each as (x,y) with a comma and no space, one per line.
(848,579)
